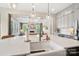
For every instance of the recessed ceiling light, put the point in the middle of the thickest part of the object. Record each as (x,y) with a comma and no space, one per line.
(68,12)
(33,6)
(53,10)
(33,15)
(14,6)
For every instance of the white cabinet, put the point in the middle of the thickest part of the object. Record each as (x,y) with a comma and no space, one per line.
(68,17)
(14,46)
(65,21)
(34,38)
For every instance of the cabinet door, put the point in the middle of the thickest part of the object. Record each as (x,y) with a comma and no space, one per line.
(34,38)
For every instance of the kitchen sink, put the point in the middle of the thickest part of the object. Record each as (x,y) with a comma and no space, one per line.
(46,48)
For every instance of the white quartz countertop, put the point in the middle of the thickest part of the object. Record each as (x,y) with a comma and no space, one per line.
(64,42)
(14,46)
(17,46)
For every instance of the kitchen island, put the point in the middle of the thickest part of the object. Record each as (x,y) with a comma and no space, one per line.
(64,42)
(70,45)
(14,46)
(17,45)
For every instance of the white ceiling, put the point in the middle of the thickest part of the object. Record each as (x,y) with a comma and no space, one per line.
(39,7)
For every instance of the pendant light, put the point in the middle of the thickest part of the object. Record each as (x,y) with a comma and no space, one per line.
(32,16)
(33,10)
(48,12)
(12,6)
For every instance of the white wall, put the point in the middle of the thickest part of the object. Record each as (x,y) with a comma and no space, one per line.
(4,22)
(53,23)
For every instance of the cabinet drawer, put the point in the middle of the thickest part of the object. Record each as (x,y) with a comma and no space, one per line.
(74,51)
